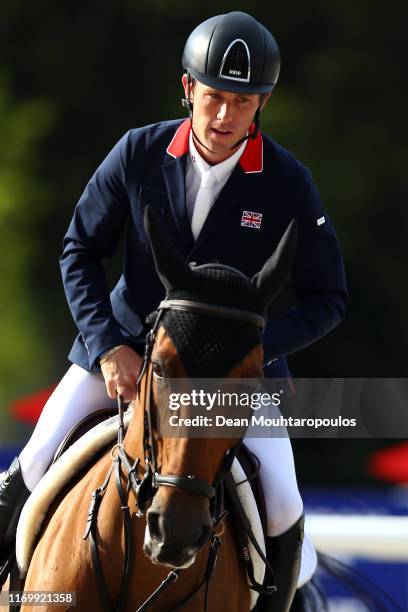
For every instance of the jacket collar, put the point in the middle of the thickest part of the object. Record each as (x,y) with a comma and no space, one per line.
(251,161)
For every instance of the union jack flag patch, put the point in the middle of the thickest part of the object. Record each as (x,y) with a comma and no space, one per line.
(251,219)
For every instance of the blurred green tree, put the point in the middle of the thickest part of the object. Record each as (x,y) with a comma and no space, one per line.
(24,203)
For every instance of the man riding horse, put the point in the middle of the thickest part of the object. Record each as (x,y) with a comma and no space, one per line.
(225,192)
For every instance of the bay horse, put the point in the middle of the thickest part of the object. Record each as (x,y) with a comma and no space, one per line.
(209,325)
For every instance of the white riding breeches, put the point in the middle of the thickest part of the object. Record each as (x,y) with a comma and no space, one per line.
(80,393)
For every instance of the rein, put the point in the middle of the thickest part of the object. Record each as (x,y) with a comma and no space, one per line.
(145,488)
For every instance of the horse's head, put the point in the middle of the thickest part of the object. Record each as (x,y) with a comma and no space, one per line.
(209,326)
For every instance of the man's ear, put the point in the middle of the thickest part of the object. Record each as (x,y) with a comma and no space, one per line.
(185,84)
(188,90)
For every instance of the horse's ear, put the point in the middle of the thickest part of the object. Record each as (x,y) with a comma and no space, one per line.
(173,271)
(276,269)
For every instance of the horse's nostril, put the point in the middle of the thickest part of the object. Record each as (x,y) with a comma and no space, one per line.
(154,525)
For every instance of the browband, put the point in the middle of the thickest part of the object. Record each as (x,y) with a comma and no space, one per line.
(245,316)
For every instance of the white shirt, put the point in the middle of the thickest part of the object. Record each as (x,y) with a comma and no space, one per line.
(197,166)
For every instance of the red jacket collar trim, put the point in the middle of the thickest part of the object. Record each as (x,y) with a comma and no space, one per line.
(179,142)
(250,161)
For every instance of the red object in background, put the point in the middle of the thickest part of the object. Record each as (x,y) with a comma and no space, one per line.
(390,464)
(29,407)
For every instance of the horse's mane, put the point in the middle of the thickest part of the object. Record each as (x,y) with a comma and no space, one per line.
(211,346)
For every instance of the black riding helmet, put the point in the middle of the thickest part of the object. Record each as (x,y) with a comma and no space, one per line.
(232,52)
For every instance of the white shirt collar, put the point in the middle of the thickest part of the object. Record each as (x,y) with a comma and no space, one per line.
(221,170)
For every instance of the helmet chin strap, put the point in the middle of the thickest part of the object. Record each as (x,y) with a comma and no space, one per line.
(234,146)
(254,133)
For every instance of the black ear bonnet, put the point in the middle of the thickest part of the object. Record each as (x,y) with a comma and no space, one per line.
(211,346)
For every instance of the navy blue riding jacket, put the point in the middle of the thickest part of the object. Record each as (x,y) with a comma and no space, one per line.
(267,188)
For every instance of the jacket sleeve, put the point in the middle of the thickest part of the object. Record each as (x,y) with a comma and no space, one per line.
(93,234)
(318,277)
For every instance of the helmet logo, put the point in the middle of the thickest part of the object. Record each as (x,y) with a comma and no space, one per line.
(236,63)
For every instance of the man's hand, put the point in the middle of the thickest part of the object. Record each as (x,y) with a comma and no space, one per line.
(120,372)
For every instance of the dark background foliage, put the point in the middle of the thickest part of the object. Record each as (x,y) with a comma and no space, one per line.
(74,76)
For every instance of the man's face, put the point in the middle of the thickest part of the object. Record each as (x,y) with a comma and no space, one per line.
(220,119)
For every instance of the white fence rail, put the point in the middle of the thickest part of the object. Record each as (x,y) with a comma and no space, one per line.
(376,537)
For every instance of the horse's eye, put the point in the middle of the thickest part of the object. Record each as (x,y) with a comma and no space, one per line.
(157,369)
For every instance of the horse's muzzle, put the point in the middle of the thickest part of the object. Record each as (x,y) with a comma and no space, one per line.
(172,544)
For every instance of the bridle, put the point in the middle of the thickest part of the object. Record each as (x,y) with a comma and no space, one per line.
(152,479)
(146,486)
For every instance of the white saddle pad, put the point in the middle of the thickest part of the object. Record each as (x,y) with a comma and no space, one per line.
(54,480)
(80,454)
